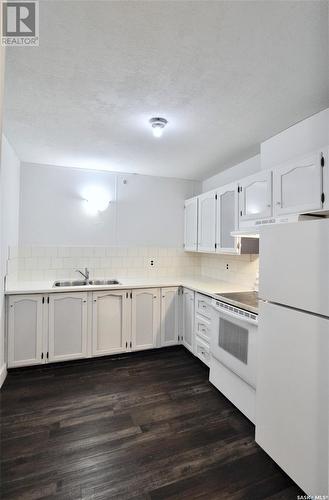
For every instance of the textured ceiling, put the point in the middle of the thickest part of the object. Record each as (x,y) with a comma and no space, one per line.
(226,75)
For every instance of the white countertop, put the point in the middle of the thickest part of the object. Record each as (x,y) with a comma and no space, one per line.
(207,286)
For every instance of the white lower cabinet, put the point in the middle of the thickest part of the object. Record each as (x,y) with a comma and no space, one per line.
(64,326)
(188,319)
(111,322)
(145,318)
(68,326)
(202,350)
(169,316)
(25,330)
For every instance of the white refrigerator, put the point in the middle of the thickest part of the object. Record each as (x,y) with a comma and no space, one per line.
(293,351)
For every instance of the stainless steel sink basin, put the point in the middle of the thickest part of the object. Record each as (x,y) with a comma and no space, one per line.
(103,282)
(70,283)
(86,283)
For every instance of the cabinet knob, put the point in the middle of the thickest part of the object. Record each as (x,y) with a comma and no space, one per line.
(278,202)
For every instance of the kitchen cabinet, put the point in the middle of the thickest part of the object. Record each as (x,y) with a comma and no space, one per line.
(68,326)
(298,186)
(202,350)
(169,316)
(255,198)
(145,318)
(25,330)
(191,225)
(207,222)
(227,219)
(188,319)
(111,325)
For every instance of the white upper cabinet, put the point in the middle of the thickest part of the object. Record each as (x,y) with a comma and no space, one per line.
(207,222)
(111,322)
(227,219)
(298,186)
(68,326)
(169,316)
(188,319)
(145,319)
(255,197)
(191,225)
(25,330)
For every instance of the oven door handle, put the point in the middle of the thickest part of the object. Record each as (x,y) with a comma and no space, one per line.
(239,317)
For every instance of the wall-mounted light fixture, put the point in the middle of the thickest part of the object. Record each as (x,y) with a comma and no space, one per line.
(158,125)
(96,200)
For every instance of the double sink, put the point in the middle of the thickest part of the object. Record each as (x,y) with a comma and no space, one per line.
(86,283)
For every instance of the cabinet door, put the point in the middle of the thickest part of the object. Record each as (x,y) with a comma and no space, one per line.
(188,319)
(227,219)
(255,197)
(111,322)
(207,222)
(169,316)
(25,330)
(191,225)
(145,319)
(68,326)
(298,186)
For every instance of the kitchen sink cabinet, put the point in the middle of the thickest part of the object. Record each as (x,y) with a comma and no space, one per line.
(75,325)
(111,322)
(68,326)
(25,330)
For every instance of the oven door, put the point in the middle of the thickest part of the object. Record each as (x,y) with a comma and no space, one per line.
(233,343)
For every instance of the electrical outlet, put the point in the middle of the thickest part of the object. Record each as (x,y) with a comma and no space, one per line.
(152,263)
(227,266)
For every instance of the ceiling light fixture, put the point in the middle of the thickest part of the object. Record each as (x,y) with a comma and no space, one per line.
(158,124)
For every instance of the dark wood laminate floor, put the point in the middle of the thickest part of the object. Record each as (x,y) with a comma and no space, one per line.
(146,426)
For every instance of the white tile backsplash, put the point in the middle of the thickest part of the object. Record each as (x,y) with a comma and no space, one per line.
(50,263)
(238,269)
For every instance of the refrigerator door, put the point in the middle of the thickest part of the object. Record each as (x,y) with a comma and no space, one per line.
(294,265)
(292,394)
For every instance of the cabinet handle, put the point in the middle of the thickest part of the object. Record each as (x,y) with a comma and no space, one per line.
(131,344)
(278,202)
(126,345)
(154,296)
(42,355)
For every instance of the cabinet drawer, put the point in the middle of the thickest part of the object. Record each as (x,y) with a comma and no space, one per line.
(203,305)
(202,327)
(202,350)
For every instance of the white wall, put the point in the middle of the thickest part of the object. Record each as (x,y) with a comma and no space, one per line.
(300,139)
(9,195)
(143,211)
(232,174)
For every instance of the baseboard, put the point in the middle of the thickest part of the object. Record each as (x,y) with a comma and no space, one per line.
(3,373)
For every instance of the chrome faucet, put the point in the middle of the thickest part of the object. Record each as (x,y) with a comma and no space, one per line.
(85,274)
